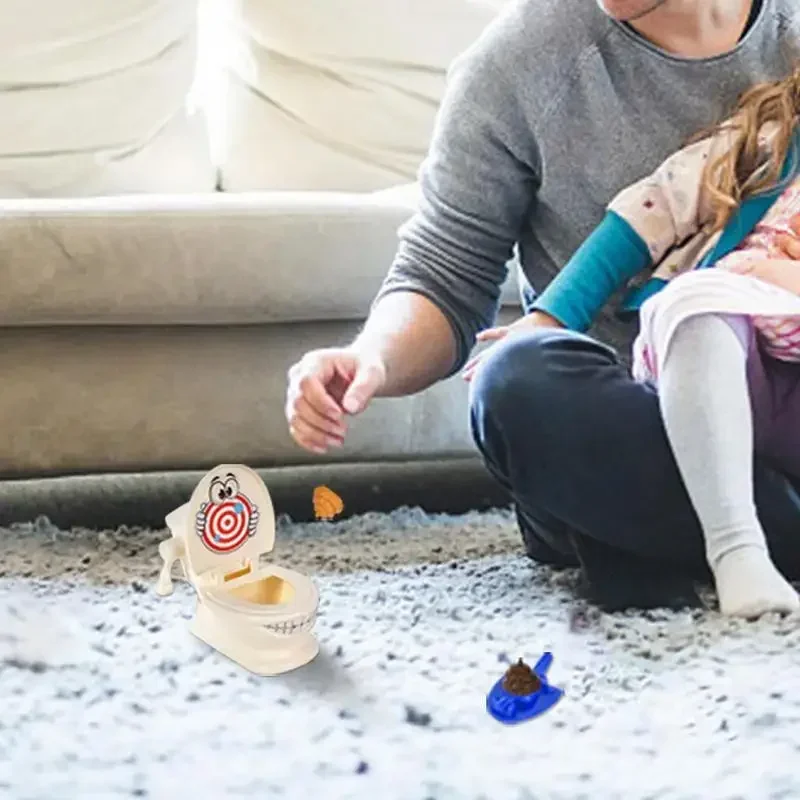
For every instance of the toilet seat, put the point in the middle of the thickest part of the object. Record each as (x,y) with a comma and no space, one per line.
(282,618)
(258,614)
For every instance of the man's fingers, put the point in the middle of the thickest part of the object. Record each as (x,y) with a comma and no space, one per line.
(469,372)
(794,224)
(300,408)
(308,436)
(491,334)
(471,363)
(366,382)
(313,390)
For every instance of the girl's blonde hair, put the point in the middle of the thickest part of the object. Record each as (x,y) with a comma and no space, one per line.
(745,169)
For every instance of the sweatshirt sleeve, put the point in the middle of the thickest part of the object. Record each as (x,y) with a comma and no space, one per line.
(612,255)
(477,186)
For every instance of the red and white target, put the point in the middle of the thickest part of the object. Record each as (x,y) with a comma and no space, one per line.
(228,524)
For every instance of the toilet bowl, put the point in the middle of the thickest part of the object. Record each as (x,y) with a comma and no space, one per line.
(258,614)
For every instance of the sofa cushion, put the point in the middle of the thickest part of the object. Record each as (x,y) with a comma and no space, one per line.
(142,399)
(341,98)
(80,400)
(94,98)
(204,259)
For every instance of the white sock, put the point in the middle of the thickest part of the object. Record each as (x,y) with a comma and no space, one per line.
(708,417)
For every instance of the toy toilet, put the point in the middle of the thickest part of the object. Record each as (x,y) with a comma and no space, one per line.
(255,613)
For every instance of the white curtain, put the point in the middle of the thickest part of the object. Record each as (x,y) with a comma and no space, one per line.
(93,98)
(96,95)
(333,94)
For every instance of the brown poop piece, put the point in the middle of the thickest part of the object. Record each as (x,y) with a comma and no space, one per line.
(520,680)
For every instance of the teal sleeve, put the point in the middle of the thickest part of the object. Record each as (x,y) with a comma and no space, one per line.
(612,255)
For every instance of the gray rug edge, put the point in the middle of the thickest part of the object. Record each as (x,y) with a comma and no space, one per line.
(102,501)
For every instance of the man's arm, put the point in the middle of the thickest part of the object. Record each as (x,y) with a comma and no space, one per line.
(477,186)
(412,338)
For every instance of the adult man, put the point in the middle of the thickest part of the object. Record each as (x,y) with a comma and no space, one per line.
(559,105)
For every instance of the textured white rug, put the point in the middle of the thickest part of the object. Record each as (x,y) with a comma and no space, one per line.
(105,694)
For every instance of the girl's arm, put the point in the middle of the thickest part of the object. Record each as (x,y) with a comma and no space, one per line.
(643,223)
(612,255)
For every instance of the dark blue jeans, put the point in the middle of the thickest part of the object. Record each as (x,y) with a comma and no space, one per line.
(581,448)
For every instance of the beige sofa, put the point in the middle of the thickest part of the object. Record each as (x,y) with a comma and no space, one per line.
(153,335)
(148,333)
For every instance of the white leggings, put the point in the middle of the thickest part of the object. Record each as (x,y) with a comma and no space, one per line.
(705,403)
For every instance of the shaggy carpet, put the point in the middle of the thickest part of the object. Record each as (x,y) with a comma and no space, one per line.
(105,694)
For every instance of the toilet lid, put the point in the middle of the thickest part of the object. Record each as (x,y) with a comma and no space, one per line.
(230,520)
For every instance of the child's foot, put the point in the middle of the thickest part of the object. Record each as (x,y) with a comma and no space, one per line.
(749,585)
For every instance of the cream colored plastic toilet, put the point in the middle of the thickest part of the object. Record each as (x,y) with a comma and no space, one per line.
(255,613)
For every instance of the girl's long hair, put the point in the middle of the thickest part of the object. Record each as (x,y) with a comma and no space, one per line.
(745,169)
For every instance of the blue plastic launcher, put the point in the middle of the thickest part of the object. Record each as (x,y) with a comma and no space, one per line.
(523,693)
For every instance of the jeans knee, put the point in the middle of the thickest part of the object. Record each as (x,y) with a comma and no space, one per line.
(515,380)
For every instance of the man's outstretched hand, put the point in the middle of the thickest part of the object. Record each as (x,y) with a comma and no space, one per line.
(324,387)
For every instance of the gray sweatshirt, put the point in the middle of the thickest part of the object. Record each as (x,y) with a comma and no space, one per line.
(553,111)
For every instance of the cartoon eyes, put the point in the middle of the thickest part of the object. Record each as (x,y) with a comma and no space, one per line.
(223,489)
(216,492)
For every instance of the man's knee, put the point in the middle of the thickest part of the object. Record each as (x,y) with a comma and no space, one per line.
(516,386)
(522,372)
(507,373)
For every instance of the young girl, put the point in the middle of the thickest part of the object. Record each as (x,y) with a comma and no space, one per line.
(721,345)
